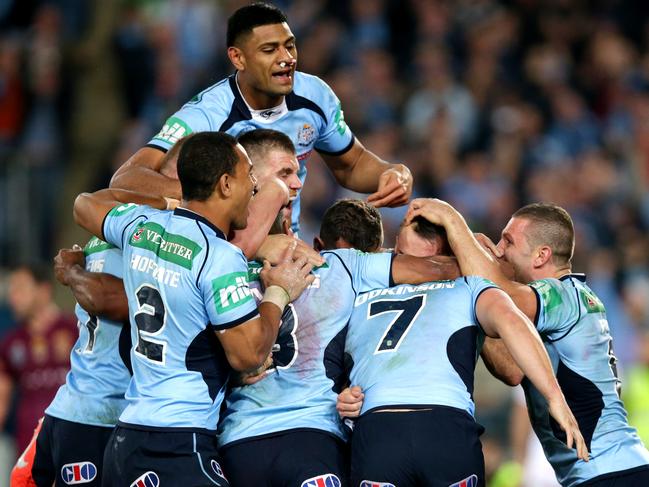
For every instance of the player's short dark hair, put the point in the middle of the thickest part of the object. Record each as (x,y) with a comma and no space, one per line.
(356,222)
(551,226)
(203,159)
(258,141)
(247,18)
(431,231)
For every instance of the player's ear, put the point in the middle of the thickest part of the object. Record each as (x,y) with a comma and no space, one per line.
(318,244)
(543,256)
(237,58)
(224,185)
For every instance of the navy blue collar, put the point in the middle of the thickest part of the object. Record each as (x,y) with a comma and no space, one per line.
(579,276)
(184,212)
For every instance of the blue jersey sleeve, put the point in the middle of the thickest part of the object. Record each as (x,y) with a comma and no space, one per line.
(189,119)
(336,138)
(559,306)
(477,285)
(368,271)
(118,220)
(226,291)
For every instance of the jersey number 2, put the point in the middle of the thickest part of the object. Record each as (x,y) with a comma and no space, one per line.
(150,320)
(407,311)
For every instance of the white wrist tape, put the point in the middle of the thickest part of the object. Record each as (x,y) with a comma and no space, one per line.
(276,295)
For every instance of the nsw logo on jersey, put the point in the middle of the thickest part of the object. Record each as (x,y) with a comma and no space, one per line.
(149,479)
(306,135)
(230,291)
(326,480)
(369,483)
(173,130)
(471,481)
(78,473)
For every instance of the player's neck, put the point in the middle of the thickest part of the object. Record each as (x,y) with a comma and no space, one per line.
(255,99)
(550,272)
(220,217)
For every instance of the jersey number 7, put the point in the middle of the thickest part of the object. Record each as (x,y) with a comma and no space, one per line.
(407,311)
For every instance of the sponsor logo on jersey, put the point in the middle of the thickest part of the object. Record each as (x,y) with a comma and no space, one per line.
(471,481)
(230,291)
(306,135)
(168,246)
(549,294)
(369,483)
(173,130)
(149,479)
(339,120)
(217,468)
(78,473)
(95,245)
(326,480)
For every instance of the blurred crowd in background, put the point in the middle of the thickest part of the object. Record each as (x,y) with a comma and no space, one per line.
(492,104)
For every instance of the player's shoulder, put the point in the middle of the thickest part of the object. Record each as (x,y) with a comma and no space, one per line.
(311,87)
(552,289)
(215,99)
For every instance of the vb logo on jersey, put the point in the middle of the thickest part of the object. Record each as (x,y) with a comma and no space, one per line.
(369,483)
(327,480)
(471,481)
(78,473)
(149,479)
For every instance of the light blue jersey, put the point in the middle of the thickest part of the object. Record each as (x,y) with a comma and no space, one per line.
(184,281)
(94,388)
(309,371)
(572,322)
(415,346)
(310,115)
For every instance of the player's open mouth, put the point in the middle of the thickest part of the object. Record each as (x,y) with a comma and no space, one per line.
(284,75)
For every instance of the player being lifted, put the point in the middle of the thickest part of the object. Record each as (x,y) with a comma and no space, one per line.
(268,92)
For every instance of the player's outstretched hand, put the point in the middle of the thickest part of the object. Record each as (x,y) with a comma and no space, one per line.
(350,402)
(563,416)
(432,209)
(273,247)
(292,274)
(394,189)
(65,260)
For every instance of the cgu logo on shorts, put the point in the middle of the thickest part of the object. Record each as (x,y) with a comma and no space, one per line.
(78,473)
(471,481)
(369,483)
(326,480)
(149,479)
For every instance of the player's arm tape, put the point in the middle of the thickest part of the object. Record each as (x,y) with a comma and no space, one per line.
(276,295)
